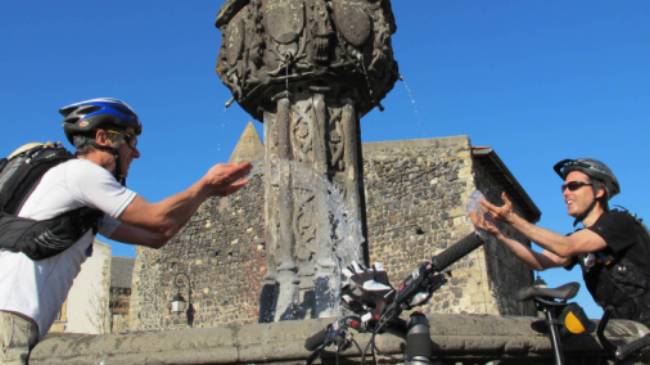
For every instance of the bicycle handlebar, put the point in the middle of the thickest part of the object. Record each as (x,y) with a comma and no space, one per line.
(621,352)
(457,251)
(317,339)
(624,351)
(423,279)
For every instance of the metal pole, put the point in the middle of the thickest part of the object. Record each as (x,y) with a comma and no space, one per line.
(555,337)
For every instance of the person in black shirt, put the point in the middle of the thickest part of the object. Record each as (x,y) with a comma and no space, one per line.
(613,249)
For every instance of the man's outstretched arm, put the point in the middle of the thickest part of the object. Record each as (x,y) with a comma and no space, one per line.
(535,260)
(127,233)
(153,224)
(580,242)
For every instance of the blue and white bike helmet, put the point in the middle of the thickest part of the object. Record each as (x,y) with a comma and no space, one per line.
(84,117)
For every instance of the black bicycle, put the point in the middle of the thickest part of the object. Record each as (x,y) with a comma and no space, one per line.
(624,353)
(380,313)
(562,318)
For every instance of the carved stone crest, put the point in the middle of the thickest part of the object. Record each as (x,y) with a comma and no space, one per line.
(284,20)
(352,21)
(303,43)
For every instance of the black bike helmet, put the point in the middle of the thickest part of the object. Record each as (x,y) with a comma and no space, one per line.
(594,169)
(84,117)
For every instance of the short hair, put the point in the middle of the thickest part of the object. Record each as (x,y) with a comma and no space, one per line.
(598,185)
(84,143)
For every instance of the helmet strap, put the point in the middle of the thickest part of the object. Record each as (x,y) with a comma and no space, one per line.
(584,215)
(117,173)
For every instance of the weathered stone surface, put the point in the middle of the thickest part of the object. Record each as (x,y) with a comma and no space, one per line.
(275,47)
(221,250)
(458,337)
(507,274)
(309,69)
(416,192)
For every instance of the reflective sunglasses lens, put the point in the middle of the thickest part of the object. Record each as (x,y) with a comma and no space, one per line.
(132,141)
(574,185)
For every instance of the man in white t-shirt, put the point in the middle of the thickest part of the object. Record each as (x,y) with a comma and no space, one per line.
(104,132)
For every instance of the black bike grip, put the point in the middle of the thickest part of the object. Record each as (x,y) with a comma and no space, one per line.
(317,339)
(626,350)
(455,252)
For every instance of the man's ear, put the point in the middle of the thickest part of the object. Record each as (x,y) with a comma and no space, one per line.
(600,193)
(102,138)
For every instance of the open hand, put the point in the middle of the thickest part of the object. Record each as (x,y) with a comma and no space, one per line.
(502,213)
(225,179)
(483,223)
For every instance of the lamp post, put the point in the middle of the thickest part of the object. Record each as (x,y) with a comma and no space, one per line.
(178,304)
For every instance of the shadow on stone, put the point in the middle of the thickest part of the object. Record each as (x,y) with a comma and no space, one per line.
(302,310)
(325,297)
(190,314)
(268,302)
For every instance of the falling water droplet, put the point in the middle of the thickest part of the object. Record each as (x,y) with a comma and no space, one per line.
(416,112)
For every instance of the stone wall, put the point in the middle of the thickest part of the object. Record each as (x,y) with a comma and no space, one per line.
(460,340)
(221,251)
(506,274)
(415,194)
(119,306)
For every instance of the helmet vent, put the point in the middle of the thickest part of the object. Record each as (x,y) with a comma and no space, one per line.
(88,109)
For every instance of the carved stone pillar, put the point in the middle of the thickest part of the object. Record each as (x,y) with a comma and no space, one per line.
(309,69)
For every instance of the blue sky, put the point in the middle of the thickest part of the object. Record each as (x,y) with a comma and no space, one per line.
(538,81)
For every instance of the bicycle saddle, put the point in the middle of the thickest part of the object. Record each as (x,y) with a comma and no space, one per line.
(563,292)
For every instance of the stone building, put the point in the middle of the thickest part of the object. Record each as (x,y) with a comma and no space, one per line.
(85,310)
(415,195)
(98,301)
(120,293)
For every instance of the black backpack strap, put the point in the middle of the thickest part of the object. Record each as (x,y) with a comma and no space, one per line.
(42,239)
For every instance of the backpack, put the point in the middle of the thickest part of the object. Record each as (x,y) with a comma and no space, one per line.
(20,173)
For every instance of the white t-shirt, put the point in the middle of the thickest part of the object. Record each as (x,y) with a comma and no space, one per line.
(37,289)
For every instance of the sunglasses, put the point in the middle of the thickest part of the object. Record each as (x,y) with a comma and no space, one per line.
(575,185)
(131,140)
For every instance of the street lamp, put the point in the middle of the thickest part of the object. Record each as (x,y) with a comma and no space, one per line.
(178,304)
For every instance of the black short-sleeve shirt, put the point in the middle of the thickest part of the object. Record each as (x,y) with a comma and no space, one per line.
(624,236)
(615,227)
(620,230)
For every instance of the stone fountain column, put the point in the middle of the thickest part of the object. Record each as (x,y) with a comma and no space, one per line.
(308,69)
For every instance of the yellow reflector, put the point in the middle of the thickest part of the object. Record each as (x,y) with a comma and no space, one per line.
(573,324)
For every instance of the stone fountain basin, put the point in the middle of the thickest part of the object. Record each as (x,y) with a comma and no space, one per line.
(457,336)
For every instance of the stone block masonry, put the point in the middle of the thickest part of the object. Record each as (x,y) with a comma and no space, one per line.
(221,250)
(416,193)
